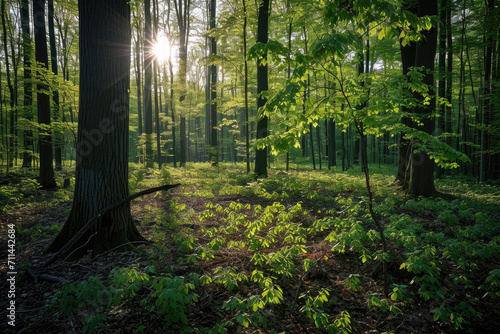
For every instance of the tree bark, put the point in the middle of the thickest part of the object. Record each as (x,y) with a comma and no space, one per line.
(55,97)
(332,150)
(12,104)
(156,73)
(262,86)
(404,155)
(442,75)
(422,167)
(46,178)
(213,89)
(182,11)
(148,76)
(247,123)
(103,130)
(28,87)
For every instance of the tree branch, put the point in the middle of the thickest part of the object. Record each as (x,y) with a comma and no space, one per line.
(98,216)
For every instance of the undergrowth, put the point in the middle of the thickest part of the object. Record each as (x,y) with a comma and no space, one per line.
(301,243)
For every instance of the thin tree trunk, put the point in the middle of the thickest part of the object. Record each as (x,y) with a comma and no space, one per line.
(10,150)
(55,97)
(213,88)
(28,87)
(156,73)
(442,75)
(247,123)
(262,86)
(487,104)
(148,76)
(182,10)
(43,101)
(404,156)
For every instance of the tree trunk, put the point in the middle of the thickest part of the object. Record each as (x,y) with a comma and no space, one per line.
(182,10)
(213,89)
(28,87)
(43,101)
(247,123)
(139,85)
(488,103)
(442,75)
(262,86)
(332,150)
(156,73)
(102,150)
(422,167)
(404,156)
(10,150)
(58,140)
(148,76)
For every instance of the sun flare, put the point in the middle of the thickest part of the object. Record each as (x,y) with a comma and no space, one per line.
(161,49)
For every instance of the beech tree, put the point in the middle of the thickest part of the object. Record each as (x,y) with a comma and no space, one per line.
(422,166)
(46,179)
(55,94)
(28,89)
(103,129)
(262,86)
(148,77)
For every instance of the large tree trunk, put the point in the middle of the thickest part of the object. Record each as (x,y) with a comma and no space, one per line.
(102,150)
(422,167)
(262,86)
(43,101)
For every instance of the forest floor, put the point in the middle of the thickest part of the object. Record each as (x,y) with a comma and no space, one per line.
(293,253)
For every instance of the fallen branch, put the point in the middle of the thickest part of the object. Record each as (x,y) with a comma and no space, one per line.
(98,216)
(50,278)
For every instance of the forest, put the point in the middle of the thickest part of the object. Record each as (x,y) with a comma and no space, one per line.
(234,166)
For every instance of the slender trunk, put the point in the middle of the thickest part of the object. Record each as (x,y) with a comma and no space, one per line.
(43,101)
(404,156)
(213,88)
(156,73)
(28,88)
(487,104)
(442,75)
(247,123)
(182,8)
(318,139)
(10,151)
(262,86)
(139,85)
(289,73)
(208,127)
(332,150)
(55,97)
(148,76)
(449,72)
